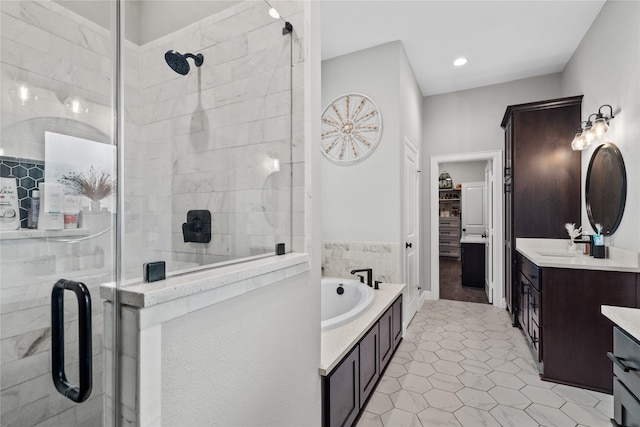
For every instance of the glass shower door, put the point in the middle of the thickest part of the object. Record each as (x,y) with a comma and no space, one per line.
(57,157)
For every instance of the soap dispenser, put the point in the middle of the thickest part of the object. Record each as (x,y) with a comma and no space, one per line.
(599,250)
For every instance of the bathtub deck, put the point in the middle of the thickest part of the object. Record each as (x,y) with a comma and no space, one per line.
(337,342)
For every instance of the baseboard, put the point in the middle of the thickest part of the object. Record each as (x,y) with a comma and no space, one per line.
(426,295)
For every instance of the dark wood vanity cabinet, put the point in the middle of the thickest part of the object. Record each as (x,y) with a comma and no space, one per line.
(541,177)
(559,310)
(346,389)
(576,335)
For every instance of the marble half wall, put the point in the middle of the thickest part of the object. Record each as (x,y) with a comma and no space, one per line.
(339,258)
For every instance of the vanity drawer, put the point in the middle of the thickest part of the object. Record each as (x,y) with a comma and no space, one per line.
(529,270)
(627,350)
(626,408)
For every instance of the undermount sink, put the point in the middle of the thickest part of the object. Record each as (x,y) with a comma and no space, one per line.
(559,253)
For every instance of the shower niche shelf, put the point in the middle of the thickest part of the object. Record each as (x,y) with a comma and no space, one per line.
(39,234)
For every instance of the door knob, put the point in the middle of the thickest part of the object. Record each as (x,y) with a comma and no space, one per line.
(408,245)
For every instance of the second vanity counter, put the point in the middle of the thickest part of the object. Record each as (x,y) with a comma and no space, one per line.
(555,253)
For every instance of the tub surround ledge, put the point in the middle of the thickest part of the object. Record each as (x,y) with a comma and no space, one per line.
(554,253)
(337,342)
(626,317)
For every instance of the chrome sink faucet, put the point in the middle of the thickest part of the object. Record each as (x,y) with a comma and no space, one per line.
(369,272)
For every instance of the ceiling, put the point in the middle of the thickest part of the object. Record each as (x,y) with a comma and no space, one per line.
(503,40)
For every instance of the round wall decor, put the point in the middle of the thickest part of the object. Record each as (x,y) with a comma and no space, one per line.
(351,128)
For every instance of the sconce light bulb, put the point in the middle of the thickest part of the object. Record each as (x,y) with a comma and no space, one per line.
(579,142)
(600,128)
(274,13)
(589,136)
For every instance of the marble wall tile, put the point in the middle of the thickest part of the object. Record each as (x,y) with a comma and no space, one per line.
(339,258)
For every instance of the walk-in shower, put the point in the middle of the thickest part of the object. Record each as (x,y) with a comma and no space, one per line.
(220,140)
(178,62)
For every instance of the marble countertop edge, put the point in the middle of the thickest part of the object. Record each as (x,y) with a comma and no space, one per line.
(145,295)
(627,318)
(555,253)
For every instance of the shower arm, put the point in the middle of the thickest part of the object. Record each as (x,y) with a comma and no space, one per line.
(198,59)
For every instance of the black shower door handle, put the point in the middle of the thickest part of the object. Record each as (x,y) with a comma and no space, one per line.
(76,393)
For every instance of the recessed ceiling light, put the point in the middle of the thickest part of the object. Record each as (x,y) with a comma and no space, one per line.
(460,62)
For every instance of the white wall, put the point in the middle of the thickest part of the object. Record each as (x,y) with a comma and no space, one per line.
(364,202)
(260,368)
(360,202)
(465,171)
(469,121)
(605,68)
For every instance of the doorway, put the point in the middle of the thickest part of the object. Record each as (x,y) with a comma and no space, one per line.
(448,269)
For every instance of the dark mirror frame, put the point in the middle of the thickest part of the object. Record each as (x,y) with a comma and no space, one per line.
(606,189)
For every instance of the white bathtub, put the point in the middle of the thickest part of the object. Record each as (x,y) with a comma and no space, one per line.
(338,309)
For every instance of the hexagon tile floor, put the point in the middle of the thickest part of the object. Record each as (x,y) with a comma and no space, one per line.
(463,364)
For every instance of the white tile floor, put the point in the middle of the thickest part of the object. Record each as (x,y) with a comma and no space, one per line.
(463,364)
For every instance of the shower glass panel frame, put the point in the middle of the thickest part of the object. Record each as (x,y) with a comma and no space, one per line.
(218,138)
(213,135)
(58,83)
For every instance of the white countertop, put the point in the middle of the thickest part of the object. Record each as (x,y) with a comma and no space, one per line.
(336,343)
(625,317)
(473,238)
(555,253)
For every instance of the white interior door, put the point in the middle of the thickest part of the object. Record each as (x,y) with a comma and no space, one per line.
(489,281)
(473,208)
(411,197)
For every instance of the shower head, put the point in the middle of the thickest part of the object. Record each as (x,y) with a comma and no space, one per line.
(178,62)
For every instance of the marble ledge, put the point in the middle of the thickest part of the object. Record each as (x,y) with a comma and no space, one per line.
(215,282)
(554,253)
(625,317)
(25,233)
(337,342)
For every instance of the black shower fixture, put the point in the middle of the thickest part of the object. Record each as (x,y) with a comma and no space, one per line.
(178,62)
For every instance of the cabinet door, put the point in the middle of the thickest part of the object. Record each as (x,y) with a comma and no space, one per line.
(626,408)
(535,326)
(386,337)
(397,321)
(576,336)
(523,302)
(369,362)
(342,392)
(539,134)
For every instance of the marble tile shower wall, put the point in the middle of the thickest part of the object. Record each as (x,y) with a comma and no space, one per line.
(339,258)
(57,53)
(219,138)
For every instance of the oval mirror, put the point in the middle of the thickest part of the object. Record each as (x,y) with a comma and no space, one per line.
(606,188)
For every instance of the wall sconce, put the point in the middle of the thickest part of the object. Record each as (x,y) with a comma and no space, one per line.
(592,131)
